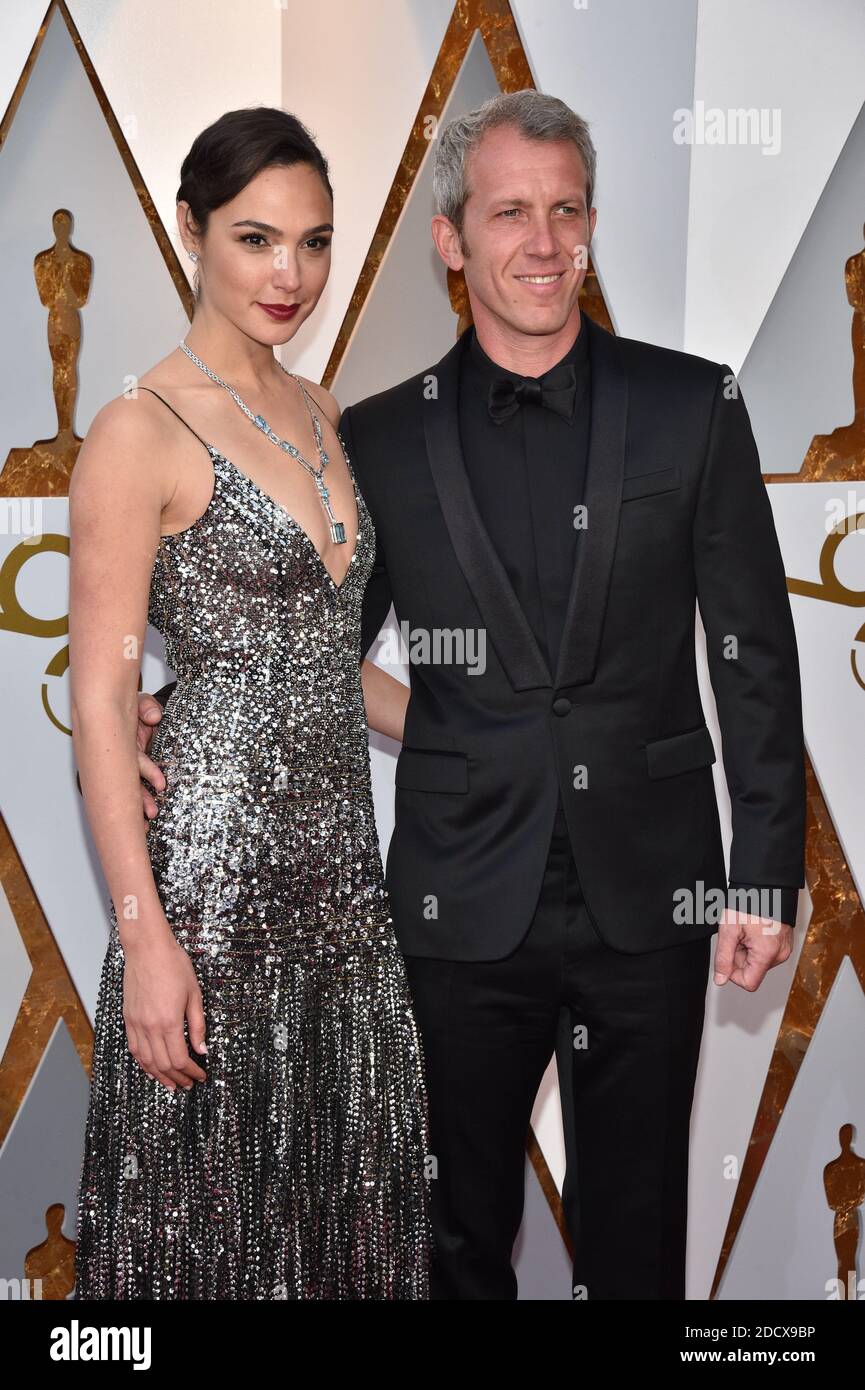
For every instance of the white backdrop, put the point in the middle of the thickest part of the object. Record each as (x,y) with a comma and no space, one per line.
(704,247)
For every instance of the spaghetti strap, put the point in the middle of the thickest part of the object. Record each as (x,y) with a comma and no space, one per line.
(174,412)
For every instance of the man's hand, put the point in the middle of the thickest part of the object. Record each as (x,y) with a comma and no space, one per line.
(749,946)
(149,715)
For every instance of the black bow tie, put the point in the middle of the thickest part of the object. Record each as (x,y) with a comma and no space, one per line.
(558,391)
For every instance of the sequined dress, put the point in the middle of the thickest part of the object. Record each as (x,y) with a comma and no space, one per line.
(298,1169)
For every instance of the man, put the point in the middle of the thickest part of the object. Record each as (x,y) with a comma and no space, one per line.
(562,497)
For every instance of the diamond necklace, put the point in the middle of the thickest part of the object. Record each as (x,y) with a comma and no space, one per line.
(337,528)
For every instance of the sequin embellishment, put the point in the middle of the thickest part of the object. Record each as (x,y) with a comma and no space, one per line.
(298,1169)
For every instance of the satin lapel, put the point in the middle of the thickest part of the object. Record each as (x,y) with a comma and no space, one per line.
(506,623)
(581,636)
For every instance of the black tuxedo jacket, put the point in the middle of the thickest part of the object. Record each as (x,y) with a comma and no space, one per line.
(677,513)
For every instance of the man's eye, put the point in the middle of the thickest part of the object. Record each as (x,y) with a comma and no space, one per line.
(566,207)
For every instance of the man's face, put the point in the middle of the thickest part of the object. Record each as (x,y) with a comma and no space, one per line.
(525,217)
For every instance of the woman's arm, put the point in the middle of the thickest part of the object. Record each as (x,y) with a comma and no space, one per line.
(115,509)
(386,700)
(115,503)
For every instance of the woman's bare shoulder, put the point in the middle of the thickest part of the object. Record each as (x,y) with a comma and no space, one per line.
(135,416)
(323,398)
(125,430)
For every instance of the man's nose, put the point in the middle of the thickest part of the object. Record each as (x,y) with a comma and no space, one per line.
(541,240)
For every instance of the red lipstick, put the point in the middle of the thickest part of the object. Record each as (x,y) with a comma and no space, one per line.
(280,312)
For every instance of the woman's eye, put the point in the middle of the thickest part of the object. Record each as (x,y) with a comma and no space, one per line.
(250,235)
(323,241)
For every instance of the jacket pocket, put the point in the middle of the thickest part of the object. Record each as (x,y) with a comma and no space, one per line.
(680,753)
(647,484)
(430,770)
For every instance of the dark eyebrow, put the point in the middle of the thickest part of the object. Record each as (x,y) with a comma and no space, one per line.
(277,231)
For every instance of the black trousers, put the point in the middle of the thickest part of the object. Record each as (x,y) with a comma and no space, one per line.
(626,1030)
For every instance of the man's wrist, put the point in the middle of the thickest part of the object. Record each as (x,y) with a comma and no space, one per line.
(779,903)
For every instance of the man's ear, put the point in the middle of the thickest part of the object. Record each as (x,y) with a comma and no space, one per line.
(447,242)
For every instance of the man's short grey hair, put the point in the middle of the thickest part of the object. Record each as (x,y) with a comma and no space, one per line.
(534,114)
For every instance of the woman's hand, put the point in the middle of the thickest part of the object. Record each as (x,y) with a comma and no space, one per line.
(160,989)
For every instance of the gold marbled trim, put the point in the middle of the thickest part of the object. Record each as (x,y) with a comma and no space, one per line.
(549,1189)
(50,994)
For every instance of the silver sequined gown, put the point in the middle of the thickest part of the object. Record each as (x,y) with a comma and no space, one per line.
(297,1170)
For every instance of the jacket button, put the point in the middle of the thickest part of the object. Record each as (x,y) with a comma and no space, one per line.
(562,705)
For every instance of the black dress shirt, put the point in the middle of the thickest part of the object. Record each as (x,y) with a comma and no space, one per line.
(527,475)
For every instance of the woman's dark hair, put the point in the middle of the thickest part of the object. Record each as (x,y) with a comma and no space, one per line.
(226,156)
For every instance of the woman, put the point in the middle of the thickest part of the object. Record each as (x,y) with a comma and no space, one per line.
(283,1157)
